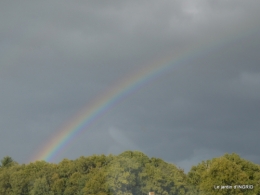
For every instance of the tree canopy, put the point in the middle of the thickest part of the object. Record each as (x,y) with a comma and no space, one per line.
(129,173)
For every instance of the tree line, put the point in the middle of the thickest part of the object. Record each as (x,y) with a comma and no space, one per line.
(129,173)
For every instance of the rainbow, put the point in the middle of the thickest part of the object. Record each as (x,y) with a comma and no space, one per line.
(120,91)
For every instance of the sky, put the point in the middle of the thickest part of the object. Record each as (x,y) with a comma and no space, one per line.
(57,58)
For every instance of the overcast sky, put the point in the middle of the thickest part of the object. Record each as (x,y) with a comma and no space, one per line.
(58,56)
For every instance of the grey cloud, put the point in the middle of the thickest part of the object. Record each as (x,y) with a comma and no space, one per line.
(57,57)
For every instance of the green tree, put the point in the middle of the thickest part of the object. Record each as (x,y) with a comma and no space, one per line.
(58,184)
(223,172)
(41,187)
(19,180)
(7,161)
(121,176)
(96,183)
(5,185)
(228,170)
(123,173)
(72,185)
(162,178)
(129,173)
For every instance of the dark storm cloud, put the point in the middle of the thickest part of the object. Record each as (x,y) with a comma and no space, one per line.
(57,56)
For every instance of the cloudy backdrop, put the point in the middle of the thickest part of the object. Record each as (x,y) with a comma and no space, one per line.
(58,56)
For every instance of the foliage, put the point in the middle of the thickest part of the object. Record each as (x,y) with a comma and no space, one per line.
(40,187)
(7,162)
(129,173)
(228,170)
